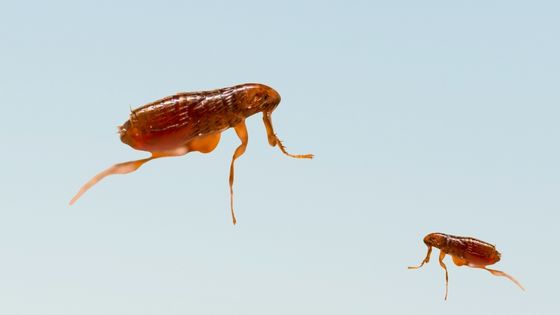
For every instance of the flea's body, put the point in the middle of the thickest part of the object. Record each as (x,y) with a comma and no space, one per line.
(175,120)
(194,121)
(465,251)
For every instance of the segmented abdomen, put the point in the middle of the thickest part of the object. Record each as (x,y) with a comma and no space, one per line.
(191,114)
(472,249)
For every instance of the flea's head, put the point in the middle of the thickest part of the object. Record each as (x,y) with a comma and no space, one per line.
(436,240)
(260,98)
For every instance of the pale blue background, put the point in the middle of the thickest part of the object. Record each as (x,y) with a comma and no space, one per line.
(424,116)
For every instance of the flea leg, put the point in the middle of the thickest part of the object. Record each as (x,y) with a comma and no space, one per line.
(273,139)
(442,264)
(459,261)
(425,261)
(241,131)
(204,144)
(125,168)
(503,274)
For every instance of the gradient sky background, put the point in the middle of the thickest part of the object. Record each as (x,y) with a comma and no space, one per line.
(424,116)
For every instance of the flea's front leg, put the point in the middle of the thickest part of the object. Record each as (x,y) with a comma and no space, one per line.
(425,261)
(273,139)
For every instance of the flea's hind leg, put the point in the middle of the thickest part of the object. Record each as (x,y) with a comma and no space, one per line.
(273,139)
(459,261)
(241,131)
(204,144)
(425,261)
(442,264)
(503,274)
(125,168)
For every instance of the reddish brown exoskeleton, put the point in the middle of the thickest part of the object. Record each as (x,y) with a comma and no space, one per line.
(194,121)
(465,251)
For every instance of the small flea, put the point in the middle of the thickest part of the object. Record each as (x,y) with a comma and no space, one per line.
(193,121)
(465,251)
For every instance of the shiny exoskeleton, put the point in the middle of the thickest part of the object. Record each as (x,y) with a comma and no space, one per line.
(465,251)
(194,121)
